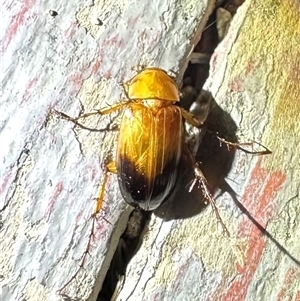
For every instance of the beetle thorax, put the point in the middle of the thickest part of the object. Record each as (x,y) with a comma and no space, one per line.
(156,103)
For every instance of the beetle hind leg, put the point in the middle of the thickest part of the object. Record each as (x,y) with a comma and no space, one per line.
(202,182)
(110,168)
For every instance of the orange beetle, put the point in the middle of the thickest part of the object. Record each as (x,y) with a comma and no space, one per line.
(150,139)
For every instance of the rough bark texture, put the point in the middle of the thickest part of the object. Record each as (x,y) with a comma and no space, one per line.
(72,61)
(255,76)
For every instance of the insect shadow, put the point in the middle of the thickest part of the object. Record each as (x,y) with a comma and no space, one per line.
(216,161)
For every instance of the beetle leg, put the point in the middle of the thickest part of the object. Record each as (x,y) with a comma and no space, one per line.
(201,180)
(105,111)
(190,118)
(110,168)
(244,145)
(138,68)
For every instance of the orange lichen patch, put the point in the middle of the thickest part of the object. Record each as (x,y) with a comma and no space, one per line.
(258,199)
(250,67)
(290,276)
(258,196)
(29,88)
(238,82)
(57,191)
(236,85)
(76,78)
(18,20)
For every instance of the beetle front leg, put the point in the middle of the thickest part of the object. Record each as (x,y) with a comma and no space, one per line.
(104,111)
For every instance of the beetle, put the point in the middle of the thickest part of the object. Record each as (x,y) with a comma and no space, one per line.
(151,138)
